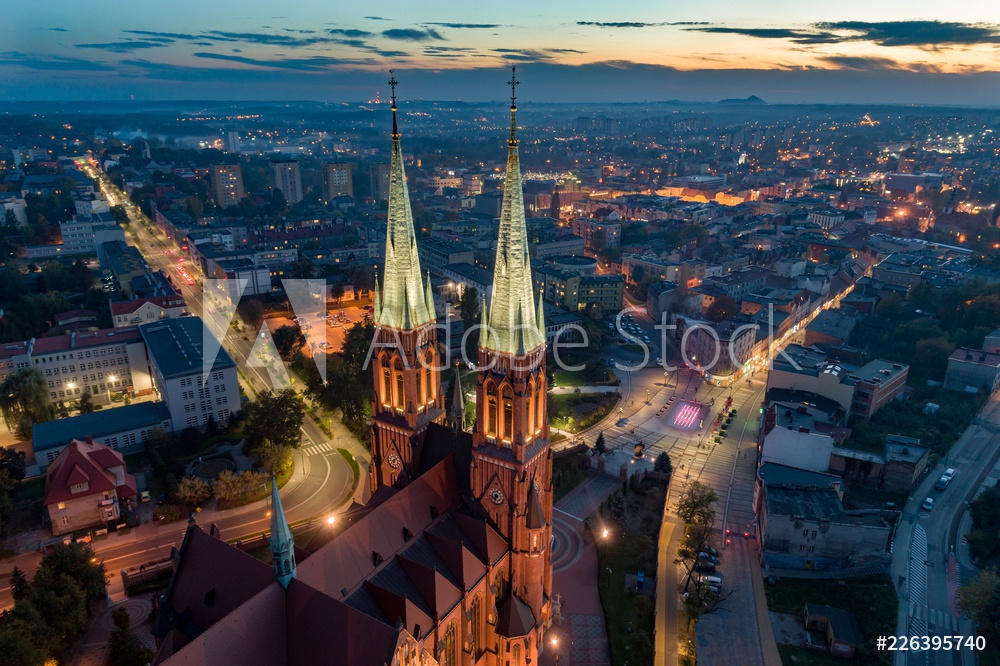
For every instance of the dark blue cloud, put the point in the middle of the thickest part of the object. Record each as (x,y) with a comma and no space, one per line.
(412,34)
(318,63)
(58,29)
(377,18)
(350,32)
(467,26)
(917,33)
(124,47)
(636,24)
(797,36)
(51,63)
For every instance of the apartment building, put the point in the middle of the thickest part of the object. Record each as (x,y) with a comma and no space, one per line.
(286,176)
(145,310)
(598,234)
(227,184)
(337,181)
(192,373)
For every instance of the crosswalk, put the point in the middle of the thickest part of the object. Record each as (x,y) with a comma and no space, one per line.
(942,621)
(319,449)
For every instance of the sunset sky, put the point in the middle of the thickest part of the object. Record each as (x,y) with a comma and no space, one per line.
(783,51)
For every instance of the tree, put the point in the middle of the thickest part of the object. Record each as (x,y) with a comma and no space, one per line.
(891,307)
(303,269)
(12,461)
(231,486)
(663,464)
(276,460)
(279,203)
(695,504)
(251,311)
(193,490)
(555,205)
(979,600)
(18,584)
(722,308)
(124,649)
(599,444)
(273,420)
(469,307)
(86,403)
(288,340)
(24,401)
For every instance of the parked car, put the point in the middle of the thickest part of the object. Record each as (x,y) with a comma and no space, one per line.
(706,579)
(928,504)
(705,557)
(945,479)
(144,496)
(705,567)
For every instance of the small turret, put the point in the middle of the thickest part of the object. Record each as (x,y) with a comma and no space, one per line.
(282,543)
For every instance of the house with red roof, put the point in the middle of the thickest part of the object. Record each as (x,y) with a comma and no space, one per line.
(86,486)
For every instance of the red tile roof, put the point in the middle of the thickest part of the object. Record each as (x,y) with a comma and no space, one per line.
(253,634)
(345,562)
(107,336)
(128,307)
(90,463)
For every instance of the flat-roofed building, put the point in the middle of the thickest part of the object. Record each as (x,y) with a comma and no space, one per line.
(227,185)
(286,176)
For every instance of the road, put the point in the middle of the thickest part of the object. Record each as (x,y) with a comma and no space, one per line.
(323,480)
(927,595)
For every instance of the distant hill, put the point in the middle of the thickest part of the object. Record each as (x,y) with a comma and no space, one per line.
(752,99)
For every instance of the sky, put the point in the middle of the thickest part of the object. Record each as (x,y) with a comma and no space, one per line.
(784,51)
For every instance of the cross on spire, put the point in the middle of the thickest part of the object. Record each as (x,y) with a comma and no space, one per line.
(513,83)
(392,84)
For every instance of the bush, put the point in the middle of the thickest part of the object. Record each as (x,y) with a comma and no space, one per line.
(230,486)
(193,490)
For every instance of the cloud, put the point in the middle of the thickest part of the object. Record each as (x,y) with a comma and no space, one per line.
(564,51)
(636,24)
(265,38)
(126,46)
(58,29)
(925,34)
(376,18)
(861,63)
(51,63)
(467,26)
(412,34)
(167,35)
(797,36)
(318,63)
(350,32)
(917,33)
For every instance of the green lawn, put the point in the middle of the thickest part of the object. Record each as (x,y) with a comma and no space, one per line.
(598,374)
(574,412)
(872,599)
(630,548)
(567,473)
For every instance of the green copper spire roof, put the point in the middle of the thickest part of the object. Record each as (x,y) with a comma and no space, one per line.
(403,303)
(513,324)
(429,295)
(377,305)
(281,542)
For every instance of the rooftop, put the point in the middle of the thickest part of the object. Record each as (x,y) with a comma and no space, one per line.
(814,505)
(54,434)
(177,347)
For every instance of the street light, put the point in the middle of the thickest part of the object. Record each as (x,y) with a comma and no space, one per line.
(111,378)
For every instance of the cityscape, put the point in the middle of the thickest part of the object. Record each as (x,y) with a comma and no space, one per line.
(485,336)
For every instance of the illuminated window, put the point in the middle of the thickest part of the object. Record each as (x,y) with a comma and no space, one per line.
(516,661)
(397,367)
(448,655)
(531,407)
(491,415)
(476,621)
(508,414)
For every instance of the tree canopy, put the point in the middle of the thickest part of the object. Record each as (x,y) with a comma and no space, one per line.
(273,419)
(24,401)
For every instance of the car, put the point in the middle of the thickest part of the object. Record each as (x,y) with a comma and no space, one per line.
(928,504)
(144,496)
(705,557)
(645,338)
(945,479)
(706,579)
(611,362)
(709,550)
(325,345)
(705,567)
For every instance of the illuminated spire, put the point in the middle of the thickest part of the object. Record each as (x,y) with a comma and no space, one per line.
(404,304)
(429,295)
(513,323)
(281,542)
(377,305)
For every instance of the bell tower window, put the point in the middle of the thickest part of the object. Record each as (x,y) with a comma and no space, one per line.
(491,415)
(397,367)
(508,414)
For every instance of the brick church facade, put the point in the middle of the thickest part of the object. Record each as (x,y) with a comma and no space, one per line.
(449,563)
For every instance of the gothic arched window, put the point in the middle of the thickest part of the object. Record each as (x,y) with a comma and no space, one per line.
(540,405)
(475,621)
(531,408)
(516,661)
(491,411)
(448,654)
(508,414)
(397,367)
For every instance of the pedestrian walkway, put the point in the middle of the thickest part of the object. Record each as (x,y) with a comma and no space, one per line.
(323,448)
(943,621)
(563,390)
(586,497)
(580,637)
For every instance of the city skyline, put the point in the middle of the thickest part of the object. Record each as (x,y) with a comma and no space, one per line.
(918,53)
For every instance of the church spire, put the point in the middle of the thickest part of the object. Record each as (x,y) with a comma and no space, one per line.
(512,310)
(403,302)
(457,411)
(281,541)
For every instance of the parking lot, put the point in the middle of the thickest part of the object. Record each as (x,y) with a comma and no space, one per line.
(324,331)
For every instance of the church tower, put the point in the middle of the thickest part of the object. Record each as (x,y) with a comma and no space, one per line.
(407,382)
(511,475)
(281,542)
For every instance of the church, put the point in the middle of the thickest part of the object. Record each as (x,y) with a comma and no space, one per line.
(450,562)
